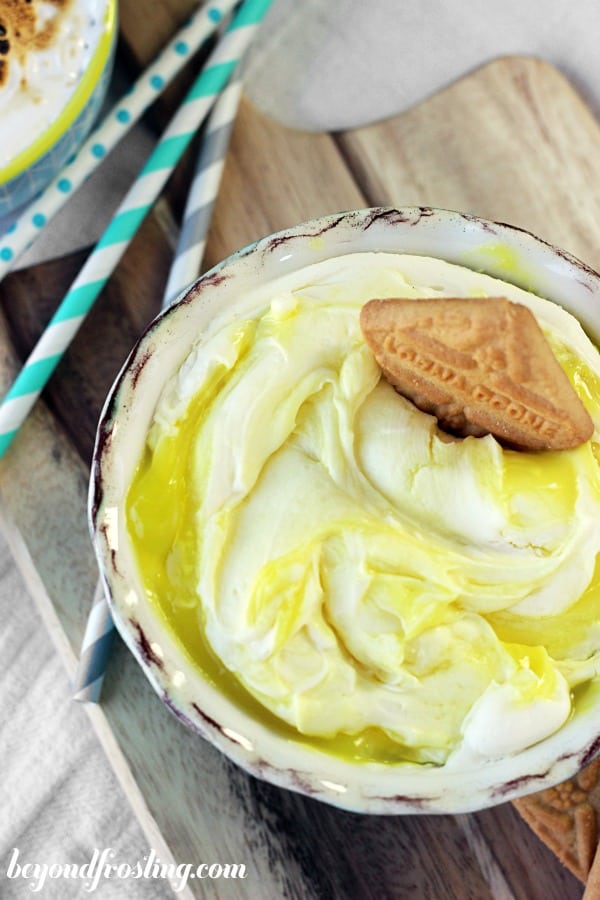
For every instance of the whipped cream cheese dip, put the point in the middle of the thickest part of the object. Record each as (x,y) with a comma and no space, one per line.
(361,581)
(45,47)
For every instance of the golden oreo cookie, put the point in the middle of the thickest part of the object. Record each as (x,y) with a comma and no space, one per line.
(481,366)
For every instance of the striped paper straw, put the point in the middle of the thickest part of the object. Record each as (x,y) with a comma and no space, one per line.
(203,192)
(100,630)
(118,121)
(112,245)
(95,650)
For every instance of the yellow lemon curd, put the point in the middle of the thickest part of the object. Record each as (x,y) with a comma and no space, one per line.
(338,566)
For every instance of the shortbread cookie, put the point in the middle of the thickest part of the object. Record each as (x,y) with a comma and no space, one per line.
(592,885)
(567,819)
(481,366)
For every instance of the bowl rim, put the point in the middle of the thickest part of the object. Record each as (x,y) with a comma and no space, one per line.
(415,788)
(74,106)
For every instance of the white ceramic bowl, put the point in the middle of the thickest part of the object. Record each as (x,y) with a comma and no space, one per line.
(497,249)
(28,173)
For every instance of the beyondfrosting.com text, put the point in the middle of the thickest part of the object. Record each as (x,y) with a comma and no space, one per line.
(104,865)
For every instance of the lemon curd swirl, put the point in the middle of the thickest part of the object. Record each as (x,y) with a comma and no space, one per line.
(332,561)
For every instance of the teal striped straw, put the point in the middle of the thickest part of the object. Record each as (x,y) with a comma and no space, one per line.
(97,269)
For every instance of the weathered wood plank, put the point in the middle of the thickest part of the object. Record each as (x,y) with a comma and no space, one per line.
(145,29)
(512,142)
(274,178)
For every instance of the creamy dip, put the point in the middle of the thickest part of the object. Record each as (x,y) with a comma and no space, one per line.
(45,47)
(319,546)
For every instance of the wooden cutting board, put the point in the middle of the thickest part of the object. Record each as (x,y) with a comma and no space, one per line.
(511,141)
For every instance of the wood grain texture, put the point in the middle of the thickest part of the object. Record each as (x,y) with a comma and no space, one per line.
(500,144)
(512,142)
(275,177)
(147,28)
(126,305)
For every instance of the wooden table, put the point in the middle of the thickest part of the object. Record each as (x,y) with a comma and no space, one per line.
(511,142)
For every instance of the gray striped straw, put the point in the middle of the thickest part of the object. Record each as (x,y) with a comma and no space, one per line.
(95,650)
(203,192)
(99,632)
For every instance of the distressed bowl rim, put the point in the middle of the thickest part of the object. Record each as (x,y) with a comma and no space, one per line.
(364,787)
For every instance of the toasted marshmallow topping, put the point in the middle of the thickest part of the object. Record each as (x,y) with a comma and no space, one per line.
(45,47)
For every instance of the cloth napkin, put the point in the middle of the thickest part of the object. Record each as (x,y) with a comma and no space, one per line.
(59,798)
(344,63)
